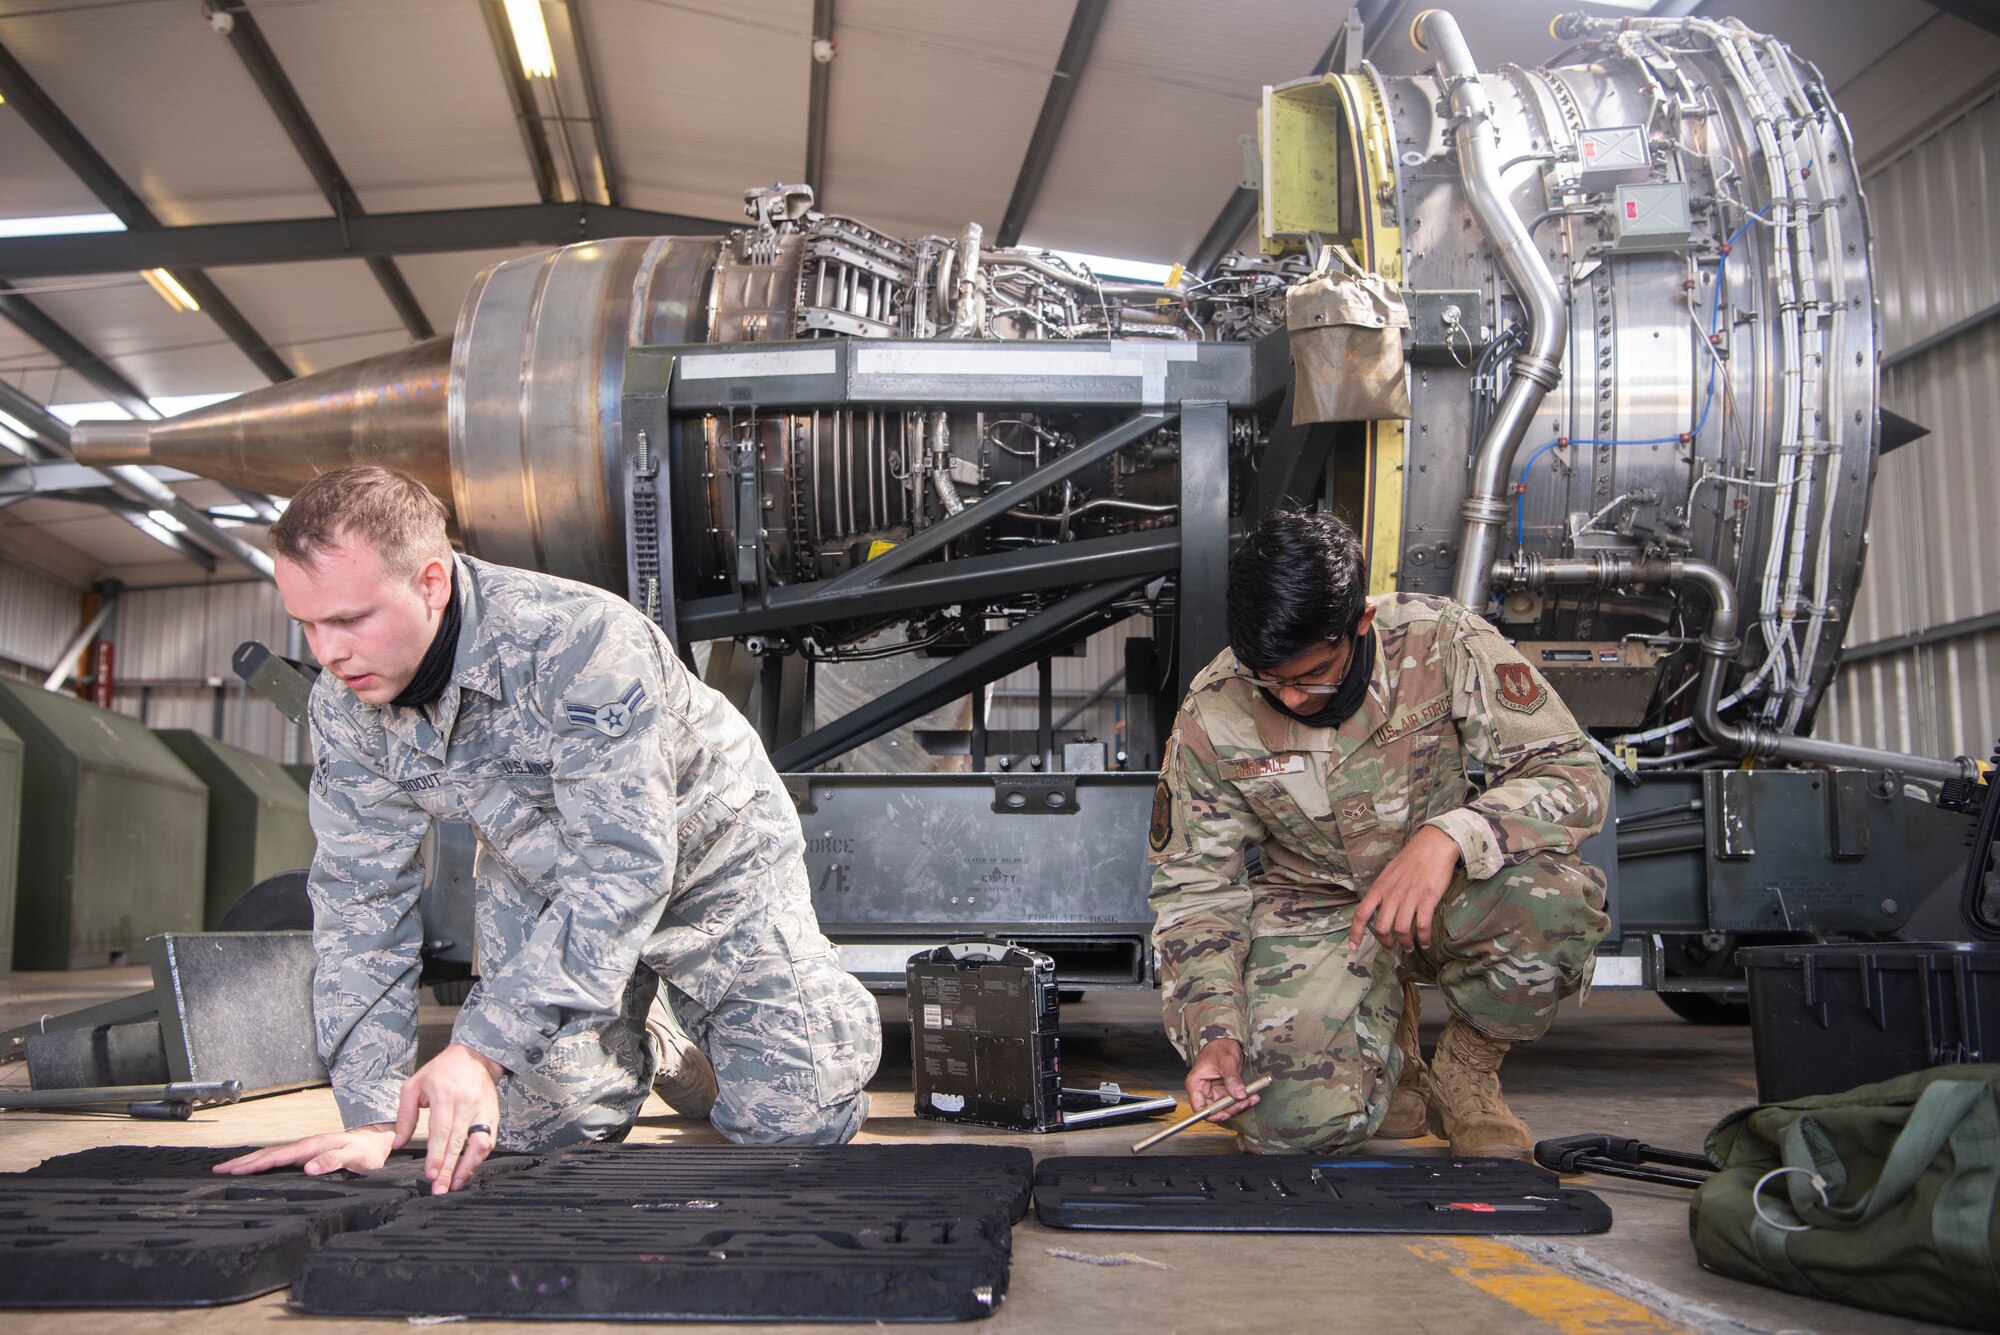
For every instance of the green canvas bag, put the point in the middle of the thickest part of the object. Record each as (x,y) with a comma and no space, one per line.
(1886,1196)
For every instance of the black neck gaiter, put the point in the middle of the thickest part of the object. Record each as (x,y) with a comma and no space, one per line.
(1344,703)
(434,673)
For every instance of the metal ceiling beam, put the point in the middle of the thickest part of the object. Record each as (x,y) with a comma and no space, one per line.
(51,439)
(1083,25)
(817,93)
(526,115)
(586,74)
(26,97)
(248,40)
(292,240)
(71,351)
(1979,13)
(53,435)
(1242,205)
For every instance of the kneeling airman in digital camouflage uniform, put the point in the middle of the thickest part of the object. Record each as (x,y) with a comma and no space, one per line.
(631,831)
(1333,735)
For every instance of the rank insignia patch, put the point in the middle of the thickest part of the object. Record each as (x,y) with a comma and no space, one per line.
(1519,690)
(614,719)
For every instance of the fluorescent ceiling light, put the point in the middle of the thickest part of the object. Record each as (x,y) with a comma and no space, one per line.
(166,520)
(16,425)
(531,38)
(10,440)
(62,224)
(101,411)
(172,405)
(170,290)
(1109,266)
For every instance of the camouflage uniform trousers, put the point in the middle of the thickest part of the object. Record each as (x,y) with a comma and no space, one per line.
(1503,953)
(793,1040)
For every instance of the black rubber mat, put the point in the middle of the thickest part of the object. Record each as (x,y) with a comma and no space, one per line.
(1311,1194)
(849,1233)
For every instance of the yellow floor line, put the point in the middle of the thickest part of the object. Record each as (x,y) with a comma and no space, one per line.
(1570,1305)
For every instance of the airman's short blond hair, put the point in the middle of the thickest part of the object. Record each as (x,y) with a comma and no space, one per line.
(389,510)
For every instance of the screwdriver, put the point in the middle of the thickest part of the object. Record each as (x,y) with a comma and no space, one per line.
(1253,1087)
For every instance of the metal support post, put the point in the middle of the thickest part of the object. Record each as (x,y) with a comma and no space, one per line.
(979,728)
(79,642)
(1204,574)
(1045,715)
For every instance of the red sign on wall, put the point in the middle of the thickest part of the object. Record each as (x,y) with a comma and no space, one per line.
(100,689)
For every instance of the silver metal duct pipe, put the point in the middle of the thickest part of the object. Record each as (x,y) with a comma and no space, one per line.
(1718,646)
(1538,367)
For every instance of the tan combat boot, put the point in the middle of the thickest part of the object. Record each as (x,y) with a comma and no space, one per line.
(1409,1105)
(1466,1106)
(682,1074)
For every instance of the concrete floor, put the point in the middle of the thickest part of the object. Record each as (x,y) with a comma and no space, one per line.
(1621,1064)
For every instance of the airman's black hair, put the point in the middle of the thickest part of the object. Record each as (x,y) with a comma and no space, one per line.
(1299,580)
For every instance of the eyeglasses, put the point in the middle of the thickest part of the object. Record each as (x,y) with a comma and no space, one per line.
(1337,670)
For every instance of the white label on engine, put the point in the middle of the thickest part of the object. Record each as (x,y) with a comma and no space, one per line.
(933,1017)
(1145,362)
(778,361)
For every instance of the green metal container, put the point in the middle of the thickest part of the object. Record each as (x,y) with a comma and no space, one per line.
(257,823)
(302,772)
(117,834)
(10,840)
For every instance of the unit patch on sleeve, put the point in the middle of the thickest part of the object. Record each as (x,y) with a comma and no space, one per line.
(614,719)
(1518,688)
(1163,817)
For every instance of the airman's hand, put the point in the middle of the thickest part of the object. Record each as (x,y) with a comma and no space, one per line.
(360,1149)
(1217,1074)
(1402,903)
(461,1089)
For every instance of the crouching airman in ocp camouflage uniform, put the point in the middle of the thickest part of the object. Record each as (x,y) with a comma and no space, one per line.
(632,832)
(1333,735)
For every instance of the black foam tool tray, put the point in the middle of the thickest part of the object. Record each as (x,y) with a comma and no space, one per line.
(144,1226)
(512,1257)
(74,1243)
(1296,1193)
(842,1233)
(182,1163)
(946,1175)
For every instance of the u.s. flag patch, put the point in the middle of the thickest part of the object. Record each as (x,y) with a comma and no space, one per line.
(614,719)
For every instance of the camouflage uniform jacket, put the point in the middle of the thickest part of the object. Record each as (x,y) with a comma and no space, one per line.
(1331,806)
(601,777)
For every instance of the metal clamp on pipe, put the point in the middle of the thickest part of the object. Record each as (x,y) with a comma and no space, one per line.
(1719,644)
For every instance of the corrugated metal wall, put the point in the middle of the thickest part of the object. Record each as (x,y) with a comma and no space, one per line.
(37,618)
(174,648)
(1937,251)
